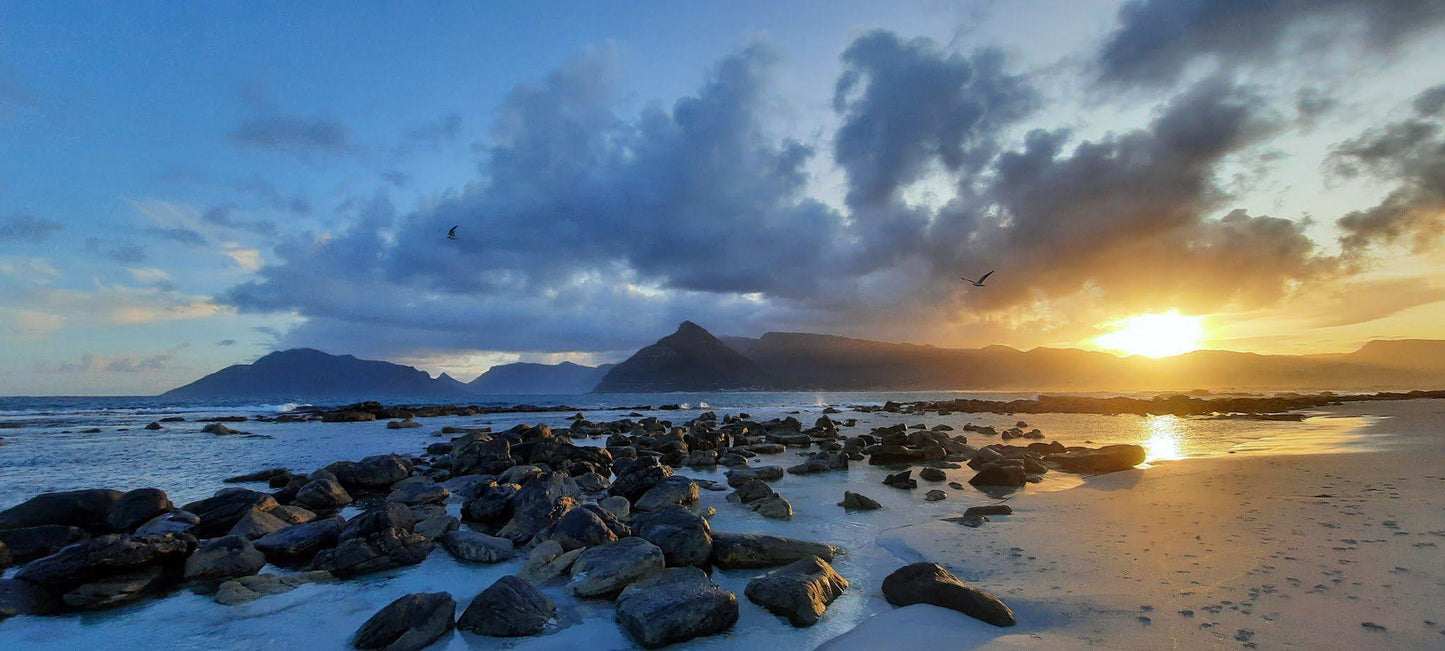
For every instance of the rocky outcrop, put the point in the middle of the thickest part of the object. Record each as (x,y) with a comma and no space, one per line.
(799,591)
(84,509)
(930,583)
(408,624)
(109,569)
(223,510)
(382,550)
(1109,458)
(538,504)
(29,543)
(674,606)
(510,607)
(750,550)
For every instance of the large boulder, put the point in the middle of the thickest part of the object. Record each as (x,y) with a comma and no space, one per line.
(481,454)
(491,503)
(547,561)
(258,523)
(637,476)
(799,591)
(86,509)
(323,495)
(581,527)
(224,558)
(299,542)
(476,547)
(1110,458)
(1005,473)
(674,606)
(379,551)
(29,543)
(223,510)
(109,569)
(136,508)
(173,522)
(684,537)
(930,583)
(510,607)
(21,598)
(118,589)
(250,588)
(408,624)
(418,490)
(540,503)
(857,502)
(389,515)
(604,571)
(671,490)
(372,474)
(751,550)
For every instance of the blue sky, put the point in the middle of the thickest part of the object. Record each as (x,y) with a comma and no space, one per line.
(188,187)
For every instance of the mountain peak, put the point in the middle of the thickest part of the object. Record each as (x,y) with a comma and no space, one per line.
(690,359)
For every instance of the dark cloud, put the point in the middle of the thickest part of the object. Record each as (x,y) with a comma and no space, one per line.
(294,134)
(27,228)
(123,252)
(272,198)
(907,105)
(1311,104)
(1431,101)
(225,217)
(431,135)
(182,234)
(1157,41)
(226,343)
(1409,155)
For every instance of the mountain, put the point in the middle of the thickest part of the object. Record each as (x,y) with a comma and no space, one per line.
(691,359)
(304,373)
(804,361)
(524,378)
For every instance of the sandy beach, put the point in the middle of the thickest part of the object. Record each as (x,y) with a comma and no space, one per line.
(1336,550)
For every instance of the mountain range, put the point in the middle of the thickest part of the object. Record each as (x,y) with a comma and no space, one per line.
(694,360)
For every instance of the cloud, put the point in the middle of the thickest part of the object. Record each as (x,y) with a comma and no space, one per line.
(225,217)
(34,270)
(1410,156)
(123,252)
(271,197)
(31,323)
(91,363)
(118,304)
(151,277)
(430,136)
(226,343)
(298,135)
(248,260)
(27,228)
(181,234)
(1157,41)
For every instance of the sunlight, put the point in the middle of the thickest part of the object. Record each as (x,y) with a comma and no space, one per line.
(1165,434)
(1155,335)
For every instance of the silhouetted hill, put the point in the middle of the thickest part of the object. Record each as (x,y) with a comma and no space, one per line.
(304,373)
(690,359)
(525,378)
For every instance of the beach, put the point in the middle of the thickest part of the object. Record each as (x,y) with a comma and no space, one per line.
(1217,549)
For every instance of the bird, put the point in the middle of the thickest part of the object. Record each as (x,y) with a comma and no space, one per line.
(452,234)
(979,282)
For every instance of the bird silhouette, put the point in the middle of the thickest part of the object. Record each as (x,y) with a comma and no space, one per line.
(452,234)
(979,282)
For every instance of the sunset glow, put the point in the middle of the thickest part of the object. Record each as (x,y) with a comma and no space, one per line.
(1155,335)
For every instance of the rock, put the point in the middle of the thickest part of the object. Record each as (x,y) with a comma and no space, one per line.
(492,503)
(116,589)
(547,561)
(1110,458)
(389,515)
(1000,473)
(29,543)
(932,474)
(510,607)
(604,571)
(929,583)
(86,509)
(409,623)
(684,537)
(617,505)
(260,475)
(223,510)
(637,477)
(153,426)
(21,598)
(475,547)
(521,474)
(433,528)
(480,454)
(902,480)
(935,495)
(774,506)
(136,507)
(403,424)
(855,502)
(299,542)
(224,558)
(750,550)
(418,490)
(799,591)
(251,588)
(256,524)
(540,503)
(219,430)
(740,476)
(382,550)
(374,473)
(671,490)
(99,560)
(593,483)
(173,522)
(989,509)
(674,606)
(291,514)
(581,528)
(323,495)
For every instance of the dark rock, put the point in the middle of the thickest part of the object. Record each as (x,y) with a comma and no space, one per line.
(374,473)
(637,477)
(855,502)
(117,589)
(740,476)
(258,523)
(671,490)
(223,510)
(260,475)
(1000,473)
(492,504)
(935,495)
(475,547)
(105,557)
(87,509)
(750,550)
(604,571)
(224,558)
(929,583)
(323,495)
(902,480)
(481,454)
(932,474)
(539,504)
(299,542)
(799,591)
(751,491)
(21,598)
(581,528)
(173,522)
(510,607)
(389,515)
(773,506)
(989,509)
(684,537)
(674,606)
(29,543)
(1110,458)
(418,490)
(379,551)
(249,588)
(153,426)
(408,624)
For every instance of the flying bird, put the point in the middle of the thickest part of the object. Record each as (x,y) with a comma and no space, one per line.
(452,234)
(979,282)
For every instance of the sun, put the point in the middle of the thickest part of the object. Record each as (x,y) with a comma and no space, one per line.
(1155,335)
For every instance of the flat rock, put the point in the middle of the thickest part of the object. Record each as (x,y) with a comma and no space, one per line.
(251,588)
(1109,458)
(604,571)
(751,550)
(474,547)
(675,605)
(376,552)
(87,509)
(671,490)
(223,510)
(300,541)
(257,523)
(28,543)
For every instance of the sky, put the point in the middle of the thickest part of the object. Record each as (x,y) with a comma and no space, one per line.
(185,187)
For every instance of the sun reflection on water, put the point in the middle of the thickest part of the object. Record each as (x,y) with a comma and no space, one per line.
(1166,434)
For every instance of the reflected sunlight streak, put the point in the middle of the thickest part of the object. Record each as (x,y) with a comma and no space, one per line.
(1166,434)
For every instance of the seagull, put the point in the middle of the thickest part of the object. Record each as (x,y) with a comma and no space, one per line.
(452,234)
(979,282)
